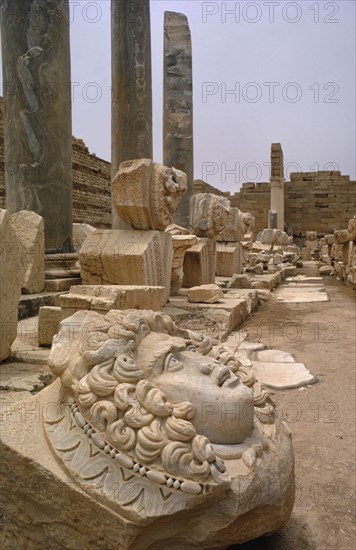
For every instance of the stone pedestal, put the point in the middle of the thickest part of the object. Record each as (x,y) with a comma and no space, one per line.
(131,85)
(181,243)
(29,228)
(229,259)
(200,263)
(37,122)
(11,278)
(127,257)
(178,104)
(61,271)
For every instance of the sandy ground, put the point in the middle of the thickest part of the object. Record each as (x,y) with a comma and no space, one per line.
(321,417)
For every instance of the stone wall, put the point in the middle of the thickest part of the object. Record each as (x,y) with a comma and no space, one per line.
(91,183)
(314,201)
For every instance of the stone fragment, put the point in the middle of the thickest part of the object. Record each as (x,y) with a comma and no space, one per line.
(352,228)
(178,104)
(326,270)
(200,263)
(29,228)
(283,375)
(80,233)
(272,219)
(146,194)
(240,281)
(181,243)
(274,356)
(273,236)
(127,257)
(48,324)
(208,294)
(208,214)
(102,298)
(11,278)
(237,225)
(229,258)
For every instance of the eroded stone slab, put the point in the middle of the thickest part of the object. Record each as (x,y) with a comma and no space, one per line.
(208,294)
(283,375)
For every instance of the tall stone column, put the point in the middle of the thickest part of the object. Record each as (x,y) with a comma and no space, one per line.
(131,116)
(277,184)
(178,104)
(37,122)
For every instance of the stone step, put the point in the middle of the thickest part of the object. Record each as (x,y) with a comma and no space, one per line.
(61,285)
(30,304)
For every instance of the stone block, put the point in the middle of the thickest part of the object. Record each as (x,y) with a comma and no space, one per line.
(102,298)
(240,281)
(180,243)
(48,324)
(127,257)
(237,225)
(352,228)
(11,278)
(229,258)
(80,233)
(200,263)
(208,214)
(342,236)
(29,228)
(146,194)
(208,294)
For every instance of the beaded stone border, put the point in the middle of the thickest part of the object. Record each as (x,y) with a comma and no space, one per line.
(188,487)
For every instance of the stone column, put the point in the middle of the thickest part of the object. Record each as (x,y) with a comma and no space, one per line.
(277,184)
(37,122)
(131,114)
(178,104)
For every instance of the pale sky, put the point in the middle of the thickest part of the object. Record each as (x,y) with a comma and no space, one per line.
(290,64)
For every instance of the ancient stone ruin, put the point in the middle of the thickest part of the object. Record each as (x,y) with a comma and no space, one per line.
(148,420)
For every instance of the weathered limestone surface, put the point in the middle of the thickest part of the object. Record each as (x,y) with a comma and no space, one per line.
(277,184)
(130,401)
(37,125)
(11,277)
(181,243)
(103,298)
(229,258)
(48,324)
(237,225)
(80,233)
(178,104)
(208,214)
(272,219)
(29,228)
(131,113)
(200,263)
(146,194)
(209,294)
(273,236)
(127,257)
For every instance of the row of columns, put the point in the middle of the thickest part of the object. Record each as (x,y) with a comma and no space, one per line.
(37,92)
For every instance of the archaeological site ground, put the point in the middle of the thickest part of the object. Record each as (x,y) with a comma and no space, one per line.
(177,362)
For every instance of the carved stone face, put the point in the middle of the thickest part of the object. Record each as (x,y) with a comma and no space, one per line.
(224,406)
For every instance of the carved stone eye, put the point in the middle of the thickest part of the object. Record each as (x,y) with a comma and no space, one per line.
(192,348)
(171,363)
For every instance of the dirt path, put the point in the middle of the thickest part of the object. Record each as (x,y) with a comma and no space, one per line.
(321,417)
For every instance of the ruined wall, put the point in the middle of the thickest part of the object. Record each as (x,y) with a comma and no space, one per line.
(254,198)
(91,183)
(319,201)
(314,201)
